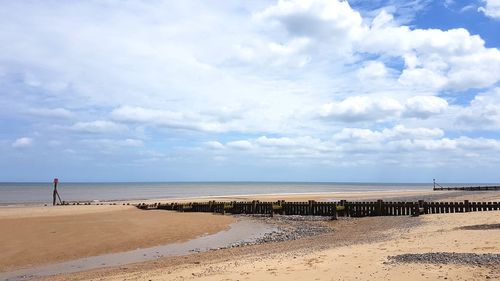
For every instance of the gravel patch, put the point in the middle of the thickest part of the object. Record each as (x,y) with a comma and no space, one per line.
(295,227)
(481,226)
(471,259)
(288,228)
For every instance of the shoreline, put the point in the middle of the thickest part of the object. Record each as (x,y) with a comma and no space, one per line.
(41,193)
(230,196)
(322,195)
(253,195)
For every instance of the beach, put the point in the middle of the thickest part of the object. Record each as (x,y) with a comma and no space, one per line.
(354,249)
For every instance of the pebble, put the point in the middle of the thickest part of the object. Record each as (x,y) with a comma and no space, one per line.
(472,259)
(287,228)
(481,226)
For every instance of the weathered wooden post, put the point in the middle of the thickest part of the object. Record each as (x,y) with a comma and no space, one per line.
(378,208)
(310,210)
(415,209)
(55,193)
(466,206)
(334,211)
(343,212)
(421,207)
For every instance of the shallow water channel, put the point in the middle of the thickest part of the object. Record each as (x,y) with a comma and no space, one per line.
(243,230)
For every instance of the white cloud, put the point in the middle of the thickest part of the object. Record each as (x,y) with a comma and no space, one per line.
(22,142)
(51,112)
(422,78)
(476,70)
(425,106)
(361,108)
(375,109)
(283,141)
(382,20)
(372,70)
(397,132)
(214,145)
(99,126)
(133,142)
(447,59)
(482,113)
(167,118)
(360,147)
(452,59)
(240,145)
(111,144)
(467,8)
(365,135)
(304,141)
(316,18)
(492,8)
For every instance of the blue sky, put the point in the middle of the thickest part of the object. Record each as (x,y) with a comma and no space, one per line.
(313,90)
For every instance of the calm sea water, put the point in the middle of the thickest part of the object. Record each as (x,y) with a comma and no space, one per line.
(26,193)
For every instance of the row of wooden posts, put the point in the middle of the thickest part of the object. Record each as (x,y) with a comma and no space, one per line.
(469,188)
(341,208)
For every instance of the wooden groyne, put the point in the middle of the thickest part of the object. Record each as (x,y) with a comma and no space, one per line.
(437,186)
(341,208)
(469,188)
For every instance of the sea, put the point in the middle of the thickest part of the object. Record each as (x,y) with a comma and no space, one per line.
(40,193)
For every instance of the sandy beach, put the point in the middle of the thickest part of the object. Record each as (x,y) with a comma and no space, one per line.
(355,249)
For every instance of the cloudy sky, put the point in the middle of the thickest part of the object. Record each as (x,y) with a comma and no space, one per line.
(312,90)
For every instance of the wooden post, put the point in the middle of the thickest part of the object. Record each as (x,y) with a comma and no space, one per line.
(421,208)
(378,207)
(415,210)
(55,193)
(334,211)
(310,210)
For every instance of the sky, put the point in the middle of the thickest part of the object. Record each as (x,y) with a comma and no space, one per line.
(216,90)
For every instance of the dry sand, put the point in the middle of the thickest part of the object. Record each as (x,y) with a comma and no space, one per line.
(42,235)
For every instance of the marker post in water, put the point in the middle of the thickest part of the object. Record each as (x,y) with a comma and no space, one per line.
(55,193)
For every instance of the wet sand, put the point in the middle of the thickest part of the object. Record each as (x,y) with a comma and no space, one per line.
(42,235)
